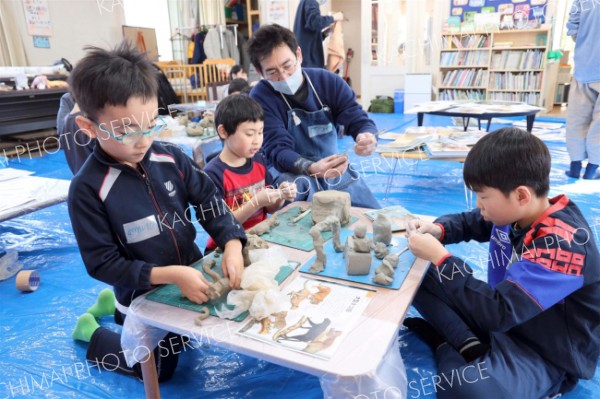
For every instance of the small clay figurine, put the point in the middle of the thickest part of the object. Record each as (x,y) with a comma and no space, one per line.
(265,226)
(220,286)
(331,202)
(382,230)
(357,252)
(380,250)
(330,223)
(254,242)
(382,279)
(361,243)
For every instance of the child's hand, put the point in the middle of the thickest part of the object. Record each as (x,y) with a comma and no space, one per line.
(426,246)
(233,263)
(192,284)
(267,196)
(420,226)
(288,191)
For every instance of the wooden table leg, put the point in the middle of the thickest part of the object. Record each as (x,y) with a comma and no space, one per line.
(150,377)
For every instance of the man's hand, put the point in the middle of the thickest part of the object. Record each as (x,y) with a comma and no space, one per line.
(420,226)
(233,263)
(332,166)
(365,144)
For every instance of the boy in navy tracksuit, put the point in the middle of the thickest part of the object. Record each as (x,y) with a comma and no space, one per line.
(133,201)
(534,329)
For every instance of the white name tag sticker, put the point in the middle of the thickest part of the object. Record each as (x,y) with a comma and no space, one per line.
(141,229)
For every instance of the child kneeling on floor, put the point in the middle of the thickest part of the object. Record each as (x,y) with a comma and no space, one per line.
(132,202)
(533,330)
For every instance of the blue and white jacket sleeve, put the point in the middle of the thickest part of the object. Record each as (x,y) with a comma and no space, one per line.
(546,270)
(464,226)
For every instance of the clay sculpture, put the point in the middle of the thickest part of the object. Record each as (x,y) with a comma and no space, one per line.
(331,202)
(265,226)
(384,274)
(330,223)
(220,286)
(254,242)
(357,252)
(382,230)
(380,250)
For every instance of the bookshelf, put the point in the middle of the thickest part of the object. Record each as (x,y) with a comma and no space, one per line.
(250,20)
(506,65)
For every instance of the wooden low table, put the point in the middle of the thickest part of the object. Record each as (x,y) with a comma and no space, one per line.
(355,363)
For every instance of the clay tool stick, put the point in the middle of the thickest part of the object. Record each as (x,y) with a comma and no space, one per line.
(300,216)
(403,250)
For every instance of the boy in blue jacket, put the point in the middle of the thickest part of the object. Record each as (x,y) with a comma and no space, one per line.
(533,329)
(132,203)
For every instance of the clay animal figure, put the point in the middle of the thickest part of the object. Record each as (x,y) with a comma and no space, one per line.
(382,279)
(384,274)
(254,242)
(361,243)
(265,226)
(382,230)
(313,330)
(220,286)
(323,341)
(380,250)
(330,223)
(331,203)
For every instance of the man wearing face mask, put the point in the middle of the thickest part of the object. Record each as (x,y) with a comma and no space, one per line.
(303,108)
(308,28)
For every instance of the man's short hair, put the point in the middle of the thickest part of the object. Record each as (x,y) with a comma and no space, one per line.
(237,86)
(234,110)
(112,77)
(506,159)
(266,39)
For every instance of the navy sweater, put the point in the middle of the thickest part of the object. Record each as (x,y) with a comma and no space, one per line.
(550,296)
(126,222)
(279,144)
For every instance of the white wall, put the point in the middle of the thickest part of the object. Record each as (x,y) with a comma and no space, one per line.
(75,24)
(352,37)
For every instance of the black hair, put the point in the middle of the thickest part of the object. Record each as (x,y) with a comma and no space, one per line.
(266,39)
(237,85)
(235,69)
(233,110)
(506,159)
(112,77)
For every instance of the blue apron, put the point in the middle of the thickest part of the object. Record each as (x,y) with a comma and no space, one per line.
(315,135)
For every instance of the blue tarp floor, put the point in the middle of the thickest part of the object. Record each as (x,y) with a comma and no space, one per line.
(39,359)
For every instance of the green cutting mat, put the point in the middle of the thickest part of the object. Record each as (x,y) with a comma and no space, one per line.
(295,235)
(170,294)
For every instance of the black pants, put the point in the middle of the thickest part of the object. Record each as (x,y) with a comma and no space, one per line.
(105,351)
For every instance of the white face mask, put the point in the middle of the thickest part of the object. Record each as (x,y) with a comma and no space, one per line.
(290,85)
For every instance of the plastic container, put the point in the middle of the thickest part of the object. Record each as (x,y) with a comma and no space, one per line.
(399,101)
(9,265)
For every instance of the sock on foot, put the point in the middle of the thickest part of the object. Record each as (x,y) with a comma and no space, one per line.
(85,327)
(472,349)
(105,304)
(575,170)
(590,172)
(425,331)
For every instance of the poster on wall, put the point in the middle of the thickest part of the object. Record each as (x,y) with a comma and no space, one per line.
(517,13)
(37,17)
(277,12)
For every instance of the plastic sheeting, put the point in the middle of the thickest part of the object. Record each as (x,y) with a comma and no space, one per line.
(38,357)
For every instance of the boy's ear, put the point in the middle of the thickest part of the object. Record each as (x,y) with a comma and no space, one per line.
(86,126)
(524,195)
(222,132)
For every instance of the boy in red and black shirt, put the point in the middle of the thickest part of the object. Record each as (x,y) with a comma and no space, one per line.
(240,172)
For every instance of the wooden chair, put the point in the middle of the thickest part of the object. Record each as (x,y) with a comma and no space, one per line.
(216,71)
